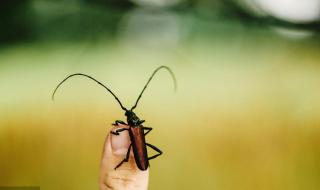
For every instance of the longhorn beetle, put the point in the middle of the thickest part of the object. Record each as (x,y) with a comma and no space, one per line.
(136,129)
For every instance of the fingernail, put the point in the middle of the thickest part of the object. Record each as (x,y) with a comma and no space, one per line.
(120,143)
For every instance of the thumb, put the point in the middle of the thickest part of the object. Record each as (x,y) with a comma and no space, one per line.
(127,176)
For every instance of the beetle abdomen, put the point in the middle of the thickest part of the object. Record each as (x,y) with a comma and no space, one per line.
(139,147)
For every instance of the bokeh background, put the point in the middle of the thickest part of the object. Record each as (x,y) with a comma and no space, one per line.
(246,114)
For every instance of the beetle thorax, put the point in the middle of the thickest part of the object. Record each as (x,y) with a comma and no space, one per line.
(132,118)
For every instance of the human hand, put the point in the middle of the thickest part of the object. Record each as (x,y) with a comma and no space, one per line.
(127,176)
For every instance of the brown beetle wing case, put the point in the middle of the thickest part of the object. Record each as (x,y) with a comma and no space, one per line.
(139,147)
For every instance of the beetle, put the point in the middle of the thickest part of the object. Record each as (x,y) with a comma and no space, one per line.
(137,131)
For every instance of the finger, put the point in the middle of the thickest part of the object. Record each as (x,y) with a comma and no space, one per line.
(127,176)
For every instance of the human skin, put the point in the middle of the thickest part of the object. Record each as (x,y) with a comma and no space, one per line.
(127,176)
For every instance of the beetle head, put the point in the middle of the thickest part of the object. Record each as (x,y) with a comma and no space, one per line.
(132,118)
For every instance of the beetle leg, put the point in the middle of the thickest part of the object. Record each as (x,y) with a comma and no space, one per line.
(141,121)
(156,149)
(117,132)
(147,128)
(126,159)
(117,122)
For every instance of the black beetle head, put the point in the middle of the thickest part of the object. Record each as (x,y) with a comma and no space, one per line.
(132,118)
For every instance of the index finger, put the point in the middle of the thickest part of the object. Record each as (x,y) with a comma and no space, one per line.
(127,176)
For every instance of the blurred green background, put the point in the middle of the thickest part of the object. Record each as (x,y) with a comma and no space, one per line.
(245,116)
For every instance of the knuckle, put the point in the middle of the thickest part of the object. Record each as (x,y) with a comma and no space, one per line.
(116,181)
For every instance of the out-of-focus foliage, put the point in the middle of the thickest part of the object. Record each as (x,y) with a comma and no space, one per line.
(42,19)
(15,21)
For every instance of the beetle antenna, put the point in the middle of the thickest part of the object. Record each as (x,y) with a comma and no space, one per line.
(154,72)
(80,74)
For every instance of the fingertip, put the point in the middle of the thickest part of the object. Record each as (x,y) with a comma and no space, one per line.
(127,176)
(120,143)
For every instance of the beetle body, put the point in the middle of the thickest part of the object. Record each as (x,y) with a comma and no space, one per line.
(138,143)
(137,131)
(139,147)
